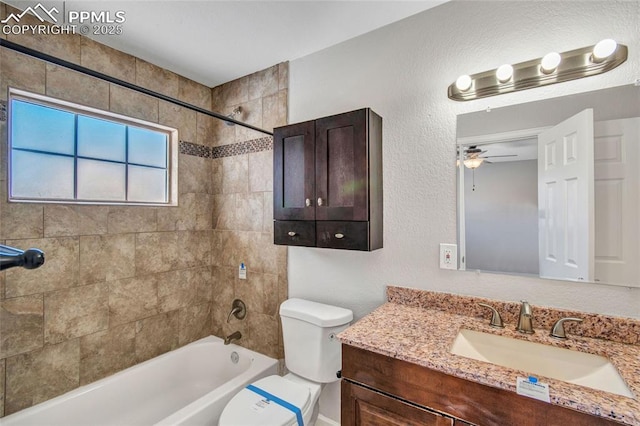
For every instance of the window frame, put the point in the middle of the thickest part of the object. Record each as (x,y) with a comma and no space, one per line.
(77,109)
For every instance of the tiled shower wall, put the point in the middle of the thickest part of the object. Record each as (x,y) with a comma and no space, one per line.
(123,284)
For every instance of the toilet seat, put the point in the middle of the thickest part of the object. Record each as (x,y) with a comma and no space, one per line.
(250,408)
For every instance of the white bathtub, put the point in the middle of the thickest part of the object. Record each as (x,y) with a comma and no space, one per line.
(188,386)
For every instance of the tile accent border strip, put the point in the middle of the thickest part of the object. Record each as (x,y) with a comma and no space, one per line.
(3,110)
(246,147)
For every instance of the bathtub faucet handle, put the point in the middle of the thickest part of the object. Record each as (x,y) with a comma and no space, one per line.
(238,310)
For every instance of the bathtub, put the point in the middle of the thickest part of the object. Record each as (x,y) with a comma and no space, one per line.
(188,386)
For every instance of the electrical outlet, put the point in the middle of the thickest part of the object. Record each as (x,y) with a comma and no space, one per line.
(448,256)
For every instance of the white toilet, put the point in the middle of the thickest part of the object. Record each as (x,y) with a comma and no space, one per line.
(312,355)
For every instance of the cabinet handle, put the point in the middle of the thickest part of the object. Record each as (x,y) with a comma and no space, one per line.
(339,236)
(307,202)
(291,234)
(319,201)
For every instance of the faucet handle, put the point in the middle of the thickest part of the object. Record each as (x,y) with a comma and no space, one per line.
(496,320)
(238,310)
(557,330)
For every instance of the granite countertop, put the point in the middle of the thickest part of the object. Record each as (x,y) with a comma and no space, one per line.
(423,336)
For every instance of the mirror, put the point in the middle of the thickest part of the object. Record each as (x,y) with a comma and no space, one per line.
(552,188)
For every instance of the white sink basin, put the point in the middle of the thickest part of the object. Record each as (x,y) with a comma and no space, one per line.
(580,368)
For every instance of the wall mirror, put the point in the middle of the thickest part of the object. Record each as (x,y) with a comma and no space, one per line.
(552,188)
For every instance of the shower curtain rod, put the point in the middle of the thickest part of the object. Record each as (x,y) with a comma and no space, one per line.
(70,65)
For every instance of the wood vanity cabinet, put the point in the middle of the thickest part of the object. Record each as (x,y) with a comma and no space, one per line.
(327,182)
(383,391)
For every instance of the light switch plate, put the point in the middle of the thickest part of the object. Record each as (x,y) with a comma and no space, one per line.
(448,256)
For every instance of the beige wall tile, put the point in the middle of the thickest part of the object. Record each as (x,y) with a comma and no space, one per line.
(194,93)
(107,257)
(131,219)
(21,72)
(21,325)
(217,101)
(192,173)
(193,213)
(76,87)
(176,289)
(224,211)
(107,352)
(63,46)
(249,211)
(41,375)
(262,254)
(263,83)
(179,118)
(194,323)
(217,173)
(259,291)
(204,135)
(132,299)
(283,75)
(235,174)
(63,220)
(222,134)
(231,248)
(60,269)
(261,171)
(156,252)
(251,114)
(133,104)
(194,249)
(263,336)
(267,224)
(157,335)
(20,220)
(157,79)
(274,110)
(107,60)
(235,92)
(2,375)
(75,312)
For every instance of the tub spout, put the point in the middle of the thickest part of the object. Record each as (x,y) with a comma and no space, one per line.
(233,336)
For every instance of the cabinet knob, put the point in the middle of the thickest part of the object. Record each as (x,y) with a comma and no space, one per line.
(319,201)
(339,236)
(307,202)
(291,234)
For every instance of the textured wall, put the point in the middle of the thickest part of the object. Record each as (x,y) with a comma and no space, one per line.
(124,284)
(402,72)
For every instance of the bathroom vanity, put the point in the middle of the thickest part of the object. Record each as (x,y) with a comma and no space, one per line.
(398,369)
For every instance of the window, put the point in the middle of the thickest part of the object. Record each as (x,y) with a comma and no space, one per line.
(66,153)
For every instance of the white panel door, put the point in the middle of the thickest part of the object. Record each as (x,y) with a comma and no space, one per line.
(566,199)
(617,199)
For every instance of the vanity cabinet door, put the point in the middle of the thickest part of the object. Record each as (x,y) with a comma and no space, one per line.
(365,407)
(294,172)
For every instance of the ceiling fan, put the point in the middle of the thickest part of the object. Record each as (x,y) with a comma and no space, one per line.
(474,157)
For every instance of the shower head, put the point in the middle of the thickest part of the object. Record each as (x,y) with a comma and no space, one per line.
(237,111)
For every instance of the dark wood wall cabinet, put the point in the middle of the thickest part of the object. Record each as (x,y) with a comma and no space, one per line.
(383,391)
(327,182)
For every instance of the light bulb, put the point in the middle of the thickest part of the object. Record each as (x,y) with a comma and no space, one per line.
(463,83)
(550,62)
(504,73)
(604,49)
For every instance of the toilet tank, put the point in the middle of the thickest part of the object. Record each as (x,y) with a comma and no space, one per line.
(311,349)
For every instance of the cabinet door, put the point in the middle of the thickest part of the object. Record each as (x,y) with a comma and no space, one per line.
(294,172)
(365,407)
(342,174)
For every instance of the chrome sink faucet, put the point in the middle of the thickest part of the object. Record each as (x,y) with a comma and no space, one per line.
(525,319)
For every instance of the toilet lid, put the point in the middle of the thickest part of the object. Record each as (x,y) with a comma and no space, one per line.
(250,408)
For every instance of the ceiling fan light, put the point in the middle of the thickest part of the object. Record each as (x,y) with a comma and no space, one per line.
(473,163)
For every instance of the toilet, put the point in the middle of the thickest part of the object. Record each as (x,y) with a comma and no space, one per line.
(313,357)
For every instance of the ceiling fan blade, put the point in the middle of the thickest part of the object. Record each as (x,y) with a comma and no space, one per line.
(496,156)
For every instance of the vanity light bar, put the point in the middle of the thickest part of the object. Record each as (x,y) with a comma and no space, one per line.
(553,68)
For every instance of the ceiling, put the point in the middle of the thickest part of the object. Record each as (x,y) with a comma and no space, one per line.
(213,42)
